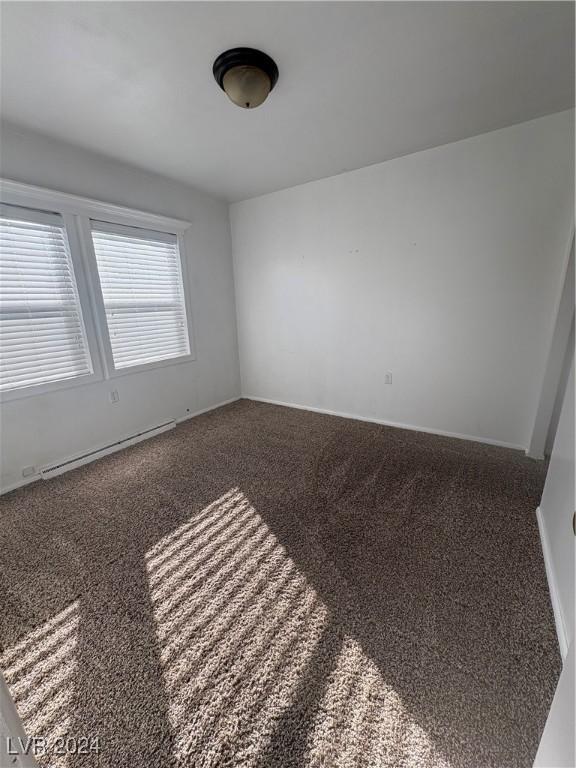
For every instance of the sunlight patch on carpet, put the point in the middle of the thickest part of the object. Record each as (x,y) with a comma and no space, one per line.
(256,669)
(40,673)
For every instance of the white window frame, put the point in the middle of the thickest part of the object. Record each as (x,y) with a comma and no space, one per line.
(76,214)
(100,311)
(73,246)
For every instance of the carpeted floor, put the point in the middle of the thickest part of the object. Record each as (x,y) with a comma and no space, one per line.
(267,587)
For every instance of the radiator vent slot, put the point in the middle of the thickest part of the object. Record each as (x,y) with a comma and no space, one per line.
(57,469)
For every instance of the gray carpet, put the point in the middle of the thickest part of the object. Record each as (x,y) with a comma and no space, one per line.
(270,587)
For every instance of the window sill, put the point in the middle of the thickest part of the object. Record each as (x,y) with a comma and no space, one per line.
(168,362)
(38,390)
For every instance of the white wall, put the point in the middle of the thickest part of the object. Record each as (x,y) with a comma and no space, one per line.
(39,430)
(443,267)
(555,518)
(557,369)
(557,748)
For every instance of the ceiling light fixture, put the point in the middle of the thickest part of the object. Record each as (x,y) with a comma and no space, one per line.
(246,76)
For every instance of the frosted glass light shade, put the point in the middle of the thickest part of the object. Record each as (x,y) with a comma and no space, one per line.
(246,85)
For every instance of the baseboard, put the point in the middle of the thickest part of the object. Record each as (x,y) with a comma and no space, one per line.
(536,456)
(187,416)
(34,478)
(387,423)
(552,586)
(19,484)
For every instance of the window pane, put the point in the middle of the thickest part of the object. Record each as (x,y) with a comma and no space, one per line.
(143,295)
(42,336)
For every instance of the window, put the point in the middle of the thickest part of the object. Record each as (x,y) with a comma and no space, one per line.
(88,290)
(42,334)
(142,292)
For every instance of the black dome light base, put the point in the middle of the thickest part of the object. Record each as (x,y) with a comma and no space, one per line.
(248,57)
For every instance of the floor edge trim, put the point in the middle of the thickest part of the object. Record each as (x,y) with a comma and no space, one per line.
(387,423)
(552,585)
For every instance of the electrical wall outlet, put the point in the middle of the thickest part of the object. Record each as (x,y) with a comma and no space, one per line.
(28,471)
(388,378)
(114,396)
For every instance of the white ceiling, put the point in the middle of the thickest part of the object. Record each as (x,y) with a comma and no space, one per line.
(359,82)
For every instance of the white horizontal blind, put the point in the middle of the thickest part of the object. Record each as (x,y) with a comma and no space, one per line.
(141,284)
(42,335)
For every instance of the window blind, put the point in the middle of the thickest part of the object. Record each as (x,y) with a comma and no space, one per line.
(141,284)
(42,336)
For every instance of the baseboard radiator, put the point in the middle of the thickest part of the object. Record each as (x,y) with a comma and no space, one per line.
(64,466)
